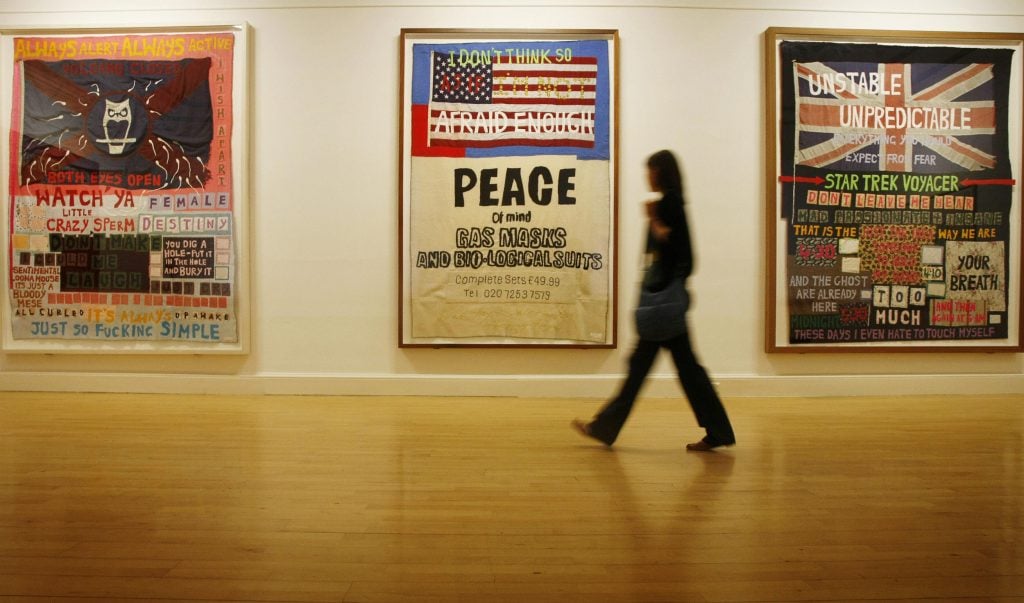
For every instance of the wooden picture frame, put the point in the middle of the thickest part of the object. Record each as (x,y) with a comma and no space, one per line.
(508,184)
(893,166)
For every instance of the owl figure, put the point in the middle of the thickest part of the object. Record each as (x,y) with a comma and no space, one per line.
(117,122)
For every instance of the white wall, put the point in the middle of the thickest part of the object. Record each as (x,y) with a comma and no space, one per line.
(323,207)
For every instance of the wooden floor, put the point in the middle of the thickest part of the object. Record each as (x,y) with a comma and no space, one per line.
(174,498)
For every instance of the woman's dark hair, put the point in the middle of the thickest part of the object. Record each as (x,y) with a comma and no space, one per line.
(666,172)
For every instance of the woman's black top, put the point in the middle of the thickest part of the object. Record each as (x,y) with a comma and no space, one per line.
(673,257)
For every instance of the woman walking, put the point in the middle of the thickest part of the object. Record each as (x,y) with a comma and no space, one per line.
(670,257)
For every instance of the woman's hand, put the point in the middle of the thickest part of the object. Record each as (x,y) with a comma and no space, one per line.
(658,228)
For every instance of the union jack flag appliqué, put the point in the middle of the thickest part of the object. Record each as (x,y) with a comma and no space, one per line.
(895,117)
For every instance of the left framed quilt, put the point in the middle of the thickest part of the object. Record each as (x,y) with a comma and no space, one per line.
(125,190)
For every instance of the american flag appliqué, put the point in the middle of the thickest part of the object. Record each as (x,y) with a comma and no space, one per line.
(511,99)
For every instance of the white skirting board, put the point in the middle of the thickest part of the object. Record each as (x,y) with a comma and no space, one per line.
(554,386)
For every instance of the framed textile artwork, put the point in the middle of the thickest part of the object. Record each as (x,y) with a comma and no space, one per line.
(508,186)
(893,189)
(125,222)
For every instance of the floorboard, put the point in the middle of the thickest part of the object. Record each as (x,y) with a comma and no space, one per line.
(380,499)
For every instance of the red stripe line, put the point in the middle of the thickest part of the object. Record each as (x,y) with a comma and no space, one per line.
(542,101)
(545,88)
(590,75)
